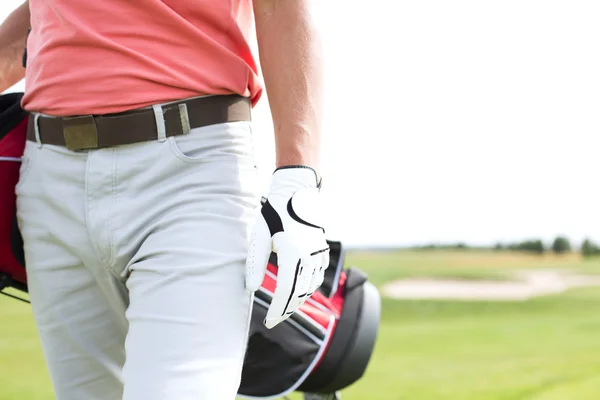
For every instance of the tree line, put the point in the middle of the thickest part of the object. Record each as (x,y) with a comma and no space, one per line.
(560,245)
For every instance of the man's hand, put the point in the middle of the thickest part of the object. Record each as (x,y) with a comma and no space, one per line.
(290,226)
(13,38)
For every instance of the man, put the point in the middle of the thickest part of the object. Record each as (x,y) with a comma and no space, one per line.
(137,200)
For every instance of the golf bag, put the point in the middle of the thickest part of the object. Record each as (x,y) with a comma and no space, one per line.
(13,127)
(321,349)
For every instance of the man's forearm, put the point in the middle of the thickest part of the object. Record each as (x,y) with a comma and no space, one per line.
(290,58)
(13,38)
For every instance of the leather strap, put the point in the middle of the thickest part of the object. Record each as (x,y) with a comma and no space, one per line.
(98,131)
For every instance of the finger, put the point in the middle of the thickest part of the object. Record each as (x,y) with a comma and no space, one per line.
(317,281)
(319,275)
(322,261)
(303,288)
(258,255)
(289,266)
(325,260)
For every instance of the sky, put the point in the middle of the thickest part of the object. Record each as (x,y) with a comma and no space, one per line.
(471,121)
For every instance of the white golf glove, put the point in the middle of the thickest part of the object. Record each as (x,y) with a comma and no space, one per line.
(290,225)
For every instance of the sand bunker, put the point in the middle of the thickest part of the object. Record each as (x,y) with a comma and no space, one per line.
(526,285)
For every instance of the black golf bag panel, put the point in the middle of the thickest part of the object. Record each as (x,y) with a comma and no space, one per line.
(353,341)
(322,348)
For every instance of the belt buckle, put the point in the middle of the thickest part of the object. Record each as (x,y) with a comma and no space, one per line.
(80,132)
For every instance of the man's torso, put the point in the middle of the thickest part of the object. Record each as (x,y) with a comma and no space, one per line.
(99,57)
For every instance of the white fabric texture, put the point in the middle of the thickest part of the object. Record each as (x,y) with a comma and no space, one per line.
(136,263)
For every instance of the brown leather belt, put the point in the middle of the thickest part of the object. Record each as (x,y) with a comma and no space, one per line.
(97,131)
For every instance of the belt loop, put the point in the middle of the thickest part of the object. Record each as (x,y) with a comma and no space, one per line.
(160,122)
(185,118)
(36,128)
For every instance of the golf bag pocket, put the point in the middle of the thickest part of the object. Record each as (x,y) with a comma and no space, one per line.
(322,348)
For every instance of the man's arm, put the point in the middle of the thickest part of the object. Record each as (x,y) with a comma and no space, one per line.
(13,38)
(290,58)
(290,222)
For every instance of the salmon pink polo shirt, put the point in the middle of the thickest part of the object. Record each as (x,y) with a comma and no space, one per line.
(109,56)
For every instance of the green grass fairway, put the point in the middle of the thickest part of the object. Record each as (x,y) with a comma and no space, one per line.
(543,349)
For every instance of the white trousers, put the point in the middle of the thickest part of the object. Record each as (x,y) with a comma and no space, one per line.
(135,259)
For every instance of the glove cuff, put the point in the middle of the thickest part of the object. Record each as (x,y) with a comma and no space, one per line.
(298,176)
